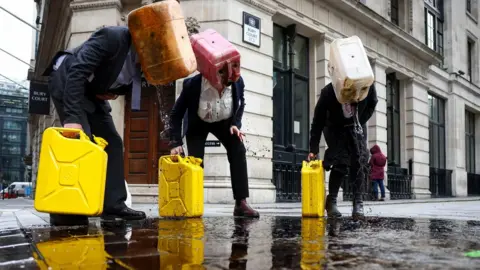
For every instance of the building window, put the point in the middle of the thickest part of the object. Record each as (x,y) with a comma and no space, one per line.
(437,132)
(469,6)
(470,142)
(11,137)
(393,119)
(434,25)
(11,150)
(12,125)
(470,57)
(394,11)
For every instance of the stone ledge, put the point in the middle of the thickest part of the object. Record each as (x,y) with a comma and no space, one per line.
(89,5)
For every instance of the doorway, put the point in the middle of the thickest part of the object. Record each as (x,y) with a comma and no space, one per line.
(143,143)
(291,111)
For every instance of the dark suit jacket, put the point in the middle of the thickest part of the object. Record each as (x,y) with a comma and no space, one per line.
(186,107)
(102,55)
(328,119)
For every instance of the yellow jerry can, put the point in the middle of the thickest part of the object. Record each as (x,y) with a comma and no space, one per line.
(180,187)
(86,252)
(313,189)
(71,174)
(313,243)
(180,243)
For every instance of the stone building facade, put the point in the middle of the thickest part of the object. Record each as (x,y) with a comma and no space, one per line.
(425,57)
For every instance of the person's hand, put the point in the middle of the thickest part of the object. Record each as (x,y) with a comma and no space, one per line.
(235,131)
(107,97)
(311,156)
(176,151)
(70,134)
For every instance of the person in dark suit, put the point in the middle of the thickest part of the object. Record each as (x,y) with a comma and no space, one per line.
(208,110)
(347,154)
(81,81)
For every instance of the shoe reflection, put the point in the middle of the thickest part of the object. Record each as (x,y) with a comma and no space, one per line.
(313,243)
(238,257)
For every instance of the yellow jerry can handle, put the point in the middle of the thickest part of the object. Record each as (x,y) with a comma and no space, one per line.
(187,159)
(314,164)
(99,141)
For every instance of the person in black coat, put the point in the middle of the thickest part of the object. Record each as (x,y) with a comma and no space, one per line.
(205,110)
(347,153)
(81,81)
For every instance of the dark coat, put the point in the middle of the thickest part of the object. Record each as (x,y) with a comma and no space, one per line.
(377,163)
(186,108)
(102,55)
(328,118)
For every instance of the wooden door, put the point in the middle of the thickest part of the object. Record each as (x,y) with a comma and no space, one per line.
(143,144)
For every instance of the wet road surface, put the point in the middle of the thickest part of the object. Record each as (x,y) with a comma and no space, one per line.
(271,242)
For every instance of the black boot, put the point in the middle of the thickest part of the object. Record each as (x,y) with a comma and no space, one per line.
(331,206)
(357,212)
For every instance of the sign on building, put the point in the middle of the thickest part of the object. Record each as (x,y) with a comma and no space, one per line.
(39,98)
(212,144)
(251,29)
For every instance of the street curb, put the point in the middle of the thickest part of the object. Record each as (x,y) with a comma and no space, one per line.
(348,203)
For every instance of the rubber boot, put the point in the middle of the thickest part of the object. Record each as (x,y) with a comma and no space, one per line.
(331,206)
(357,212)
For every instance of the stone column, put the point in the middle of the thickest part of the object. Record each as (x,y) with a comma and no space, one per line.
(88,16)
(257,72)
(417,136)
(377,124)
(323,79)
(455,144)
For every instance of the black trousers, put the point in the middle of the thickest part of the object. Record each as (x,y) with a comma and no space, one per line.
(100,124)
(236,152)
(356,170)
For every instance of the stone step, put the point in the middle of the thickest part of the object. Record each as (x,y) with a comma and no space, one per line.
(143,193)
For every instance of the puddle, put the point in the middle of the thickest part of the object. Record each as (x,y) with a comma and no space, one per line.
(236,243)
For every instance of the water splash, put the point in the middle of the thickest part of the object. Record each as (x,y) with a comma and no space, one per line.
(166,99)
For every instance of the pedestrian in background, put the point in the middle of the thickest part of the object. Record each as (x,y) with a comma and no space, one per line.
(377,171)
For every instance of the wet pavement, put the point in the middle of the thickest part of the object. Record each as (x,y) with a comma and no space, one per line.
(271,242)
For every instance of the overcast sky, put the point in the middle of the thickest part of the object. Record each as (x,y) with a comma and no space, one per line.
(16,38)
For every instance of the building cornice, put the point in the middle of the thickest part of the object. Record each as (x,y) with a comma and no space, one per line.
(262,5)
(101,4)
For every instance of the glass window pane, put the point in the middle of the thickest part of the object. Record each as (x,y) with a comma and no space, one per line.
(300,126)
(441,111)
(300,62)
(278,44)
(396,137)
(281,82)
(431,145)
(441,147)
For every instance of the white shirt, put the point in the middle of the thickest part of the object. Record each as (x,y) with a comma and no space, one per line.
(212,107)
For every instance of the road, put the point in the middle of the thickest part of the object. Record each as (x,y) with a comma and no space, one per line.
(434,235)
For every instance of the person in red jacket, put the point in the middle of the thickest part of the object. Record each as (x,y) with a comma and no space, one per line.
(377,170)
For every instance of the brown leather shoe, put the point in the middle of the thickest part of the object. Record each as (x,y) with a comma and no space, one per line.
(244,210)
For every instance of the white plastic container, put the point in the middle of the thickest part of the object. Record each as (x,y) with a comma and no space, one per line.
(350,70)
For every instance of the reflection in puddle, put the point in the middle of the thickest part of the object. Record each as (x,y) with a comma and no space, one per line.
(268,243)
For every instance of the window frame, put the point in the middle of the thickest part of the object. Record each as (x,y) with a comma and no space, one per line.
(436,12)
(394,10)
(393,120)
(437,149)
(470,151)
(283,67)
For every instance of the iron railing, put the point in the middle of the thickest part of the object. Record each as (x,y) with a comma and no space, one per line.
(367,190)
(473,184)
(287,180)
(440,182)
(399,182)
